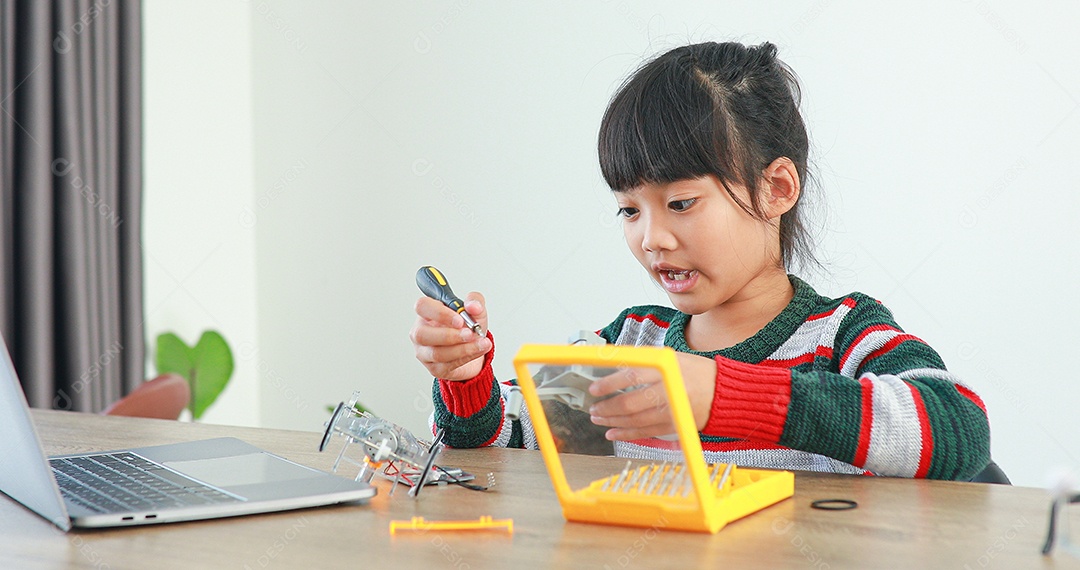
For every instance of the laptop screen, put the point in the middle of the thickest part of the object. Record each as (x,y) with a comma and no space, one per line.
(25,474)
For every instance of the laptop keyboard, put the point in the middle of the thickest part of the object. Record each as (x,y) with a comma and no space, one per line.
(123,482)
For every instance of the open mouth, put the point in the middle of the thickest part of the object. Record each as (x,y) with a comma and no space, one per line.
(677,275)
(678,280)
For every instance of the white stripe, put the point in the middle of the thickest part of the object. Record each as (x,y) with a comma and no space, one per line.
(868,344)
(641,333)
(812,334)
(937,373)
(761,458)
(804,341)
(505,430)
(527,431)
(895,432)
(838,316)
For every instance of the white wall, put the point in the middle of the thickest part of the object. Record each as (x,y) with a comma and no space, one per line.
(199,260)
(463,135)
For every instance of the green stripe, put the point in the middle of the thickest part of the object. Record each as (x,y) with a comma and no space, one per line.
(517,436)
(824,415)
(717,439)
(961,439)
(471,431)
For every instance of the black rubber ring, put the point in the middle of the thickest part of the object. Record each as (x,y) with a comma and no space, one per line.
(834,504)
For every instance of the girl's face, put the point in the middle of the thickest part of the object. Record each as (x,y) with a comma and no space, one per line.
(694,240)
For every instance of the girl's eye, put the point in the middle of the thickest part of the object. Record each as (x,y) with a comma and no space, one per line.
(627,212)
(681,205)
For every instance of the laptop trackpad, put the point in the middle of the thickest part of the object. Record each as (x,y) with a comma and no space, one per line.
(250,469)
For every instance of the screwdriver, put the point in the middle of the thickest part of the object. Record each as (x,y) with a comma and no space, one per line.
(432,282)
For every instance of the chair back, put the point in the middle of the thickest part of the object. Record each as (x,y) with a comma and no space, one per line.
(991,474)
(163,398)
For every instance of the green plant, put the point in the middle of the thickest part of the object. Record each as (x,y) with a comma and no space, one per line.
(357,406)
(207,366)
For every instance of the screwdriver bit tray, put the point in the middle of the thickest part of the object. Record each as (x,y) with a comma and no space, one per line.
(686,494)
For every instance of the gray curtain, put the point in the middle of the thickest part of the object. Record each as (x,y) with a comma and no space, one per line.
(71,309)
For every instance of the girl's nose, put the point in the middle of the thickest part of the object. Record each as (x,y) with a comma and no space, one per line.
(656,235)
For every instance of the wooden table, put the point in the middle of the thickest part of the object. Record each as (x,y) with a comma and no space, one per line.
(899,523)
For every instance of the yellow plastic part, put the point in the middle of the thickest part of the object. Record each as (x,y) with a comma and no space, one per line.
(651,495)
(484,523)
(438,276)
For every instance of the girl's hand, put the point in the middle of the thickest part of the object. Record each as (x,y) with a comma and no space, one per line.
(444,345)
(644,411)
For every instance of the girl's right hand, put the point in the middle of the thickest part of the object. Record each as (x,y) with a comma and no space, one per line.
(444,344)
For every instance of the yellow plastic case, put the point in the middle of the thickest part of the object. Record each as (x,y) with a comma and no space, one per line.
(705,505)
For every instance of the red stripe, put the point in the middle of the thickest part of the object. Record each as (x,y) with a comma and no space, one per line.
(964,391)
(447,394)
(927,438)
(891,345)
(788,362)
(863,335)
(643,318)
(464,401)
(751,401)
(865,422)
(739,445)
(465,398)
(825,351)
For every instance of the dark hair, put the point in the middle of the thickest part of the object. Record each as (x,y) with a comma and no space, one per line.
(723,109)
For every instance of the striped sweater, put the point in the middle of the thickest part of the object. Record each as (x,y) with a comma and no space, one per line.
(831,385)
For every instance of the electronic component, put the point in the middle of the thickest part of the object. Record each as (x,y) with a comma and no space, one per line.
(570,384)
(514,401)
(390,451)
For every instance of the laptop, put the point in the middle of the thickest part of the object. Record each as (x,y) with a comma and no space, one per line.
(206,479)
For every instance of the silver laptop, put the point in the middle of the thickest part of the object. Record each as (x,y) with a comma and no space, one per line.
(205,479)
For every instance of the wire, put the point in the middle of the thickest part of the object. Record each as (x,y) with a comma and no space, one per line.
(472,486)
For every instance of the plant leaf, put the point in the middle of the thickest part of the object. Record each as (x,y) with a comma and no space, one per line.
(213,365)
(173,356)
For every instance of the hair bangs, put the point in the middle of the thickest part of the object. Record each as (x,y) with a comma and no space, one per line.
(662,127)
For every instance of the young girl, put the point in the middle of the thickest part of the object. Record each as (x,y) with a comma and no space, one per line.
(706,152)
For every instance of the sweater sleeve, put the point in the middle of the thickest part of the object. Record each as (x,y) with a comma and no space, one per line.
(471,411)
(885,404)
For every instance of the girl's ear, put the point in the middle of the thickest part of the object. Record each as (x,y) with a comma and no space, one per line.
(781,191)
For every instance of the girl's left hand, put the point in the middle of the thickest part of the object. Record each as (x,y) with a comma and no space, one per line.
(644,411)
